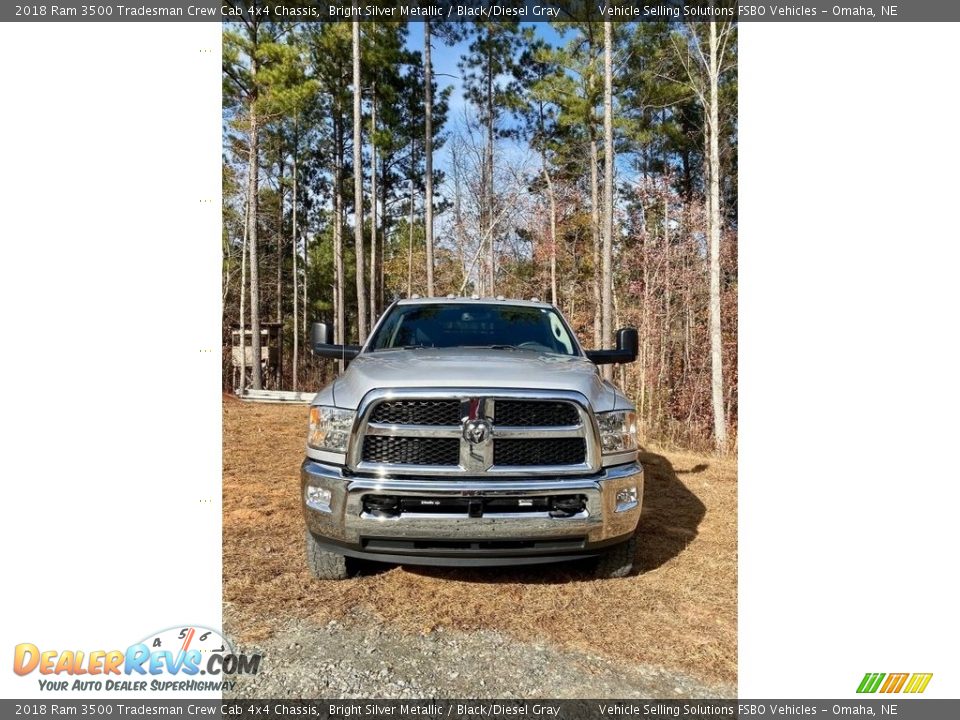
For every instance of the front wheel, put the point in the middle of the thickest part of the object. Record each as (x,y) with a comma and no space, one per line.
(617,562)
(326,565)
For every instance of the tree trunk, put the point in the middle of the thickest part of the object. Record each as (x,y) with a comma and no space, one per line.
(278,311)
(428,150)
(553,233)
(664,376)
(593,46)
(713,154)
(488,185)
(243,310)
(410,247)
(384,230)
(645,404)
(293,256)
(303,350)
(595,235)
(253,209)
(608,170)
(339,328)
(281,166)
(373,205)
(306,240)
(358,187)
(458,215)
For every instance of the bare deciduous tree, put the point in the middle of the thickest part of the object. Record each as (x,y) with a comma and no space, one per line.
(703,72)
(552,198)
(713,155)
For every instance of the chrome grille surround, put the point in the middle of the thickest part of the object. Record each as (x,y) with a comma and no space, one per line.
(475,459)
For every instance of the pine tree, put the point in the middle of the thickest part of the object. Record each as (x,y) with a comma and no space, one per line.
(257,82)
(329,47)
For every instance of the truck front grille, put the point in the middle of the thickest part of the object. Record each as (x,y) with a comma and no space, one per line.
(527,413)
(417,412)
(411,450)
(421,434)
(539,451)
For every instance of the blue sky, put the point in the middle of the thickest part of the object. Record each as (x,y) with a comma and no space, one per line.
(445,59)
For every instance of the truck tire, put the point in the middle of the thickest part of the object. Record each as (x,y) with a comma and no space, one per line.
(326,565)
(617,562)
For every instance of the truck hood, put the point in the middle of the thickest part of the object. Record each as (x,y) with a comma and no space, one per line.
(471,368)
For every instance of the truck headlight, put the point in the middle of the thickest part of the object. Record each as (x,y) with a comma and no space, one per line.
(329,428)
(618,430)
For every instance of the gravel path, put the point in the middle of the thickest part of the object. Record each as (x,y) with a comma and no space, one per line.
(360,658)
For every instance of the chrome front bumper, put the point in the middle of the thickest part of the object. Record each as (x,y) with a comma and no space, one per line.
(342,524)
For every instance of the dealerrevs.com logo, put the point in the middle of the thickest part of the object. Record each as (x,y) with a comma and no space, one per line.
(183,659)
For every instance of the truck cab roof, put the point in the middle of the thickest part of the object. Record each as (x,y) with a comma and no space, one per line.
(447,300)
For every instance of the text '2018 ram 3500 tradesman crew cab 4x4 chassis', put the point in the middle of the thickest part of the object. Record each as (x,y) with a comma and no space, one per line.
(471,432)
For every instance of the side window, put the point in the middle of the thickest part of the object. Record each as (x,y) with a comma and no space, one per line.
(388,332)
(560,336)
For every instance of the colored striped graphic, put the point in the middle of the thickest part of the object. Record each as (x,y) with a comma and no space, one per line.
(918,683)
(894,682)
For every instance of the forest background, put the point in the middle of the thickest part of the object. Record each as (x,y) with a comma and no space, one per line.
(589,163)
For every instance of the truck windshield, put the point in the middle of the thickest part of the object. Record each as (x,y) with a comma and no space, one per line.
(446,325)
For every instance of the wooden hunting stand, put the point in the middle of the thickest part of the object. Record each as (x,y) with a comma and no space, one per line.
(270,355)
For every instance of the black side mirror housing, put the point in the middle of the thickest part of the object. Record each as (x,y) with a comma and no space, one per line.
(321,340)
(628,341)
(321,334)
(628,346)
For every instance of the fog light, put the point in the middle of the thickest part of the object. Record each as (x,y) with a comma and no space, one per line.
(626,499)
(318,498)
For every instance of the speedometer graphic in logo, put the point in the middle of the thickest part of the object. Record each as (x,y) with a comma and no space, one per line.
(185,641)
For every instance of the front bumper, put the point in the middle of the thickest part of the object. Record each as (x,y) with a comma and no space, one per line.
(343,524)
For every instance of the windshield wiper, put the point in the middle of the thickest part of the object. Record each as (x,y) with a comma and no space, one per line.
(404,347)
(461,347)
(494,347)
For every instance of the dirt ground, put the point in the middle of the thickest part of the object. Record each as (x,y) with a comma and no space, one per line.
(677,613)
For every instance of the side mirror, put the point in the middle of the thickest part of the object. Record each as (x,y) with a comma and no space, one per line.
(321,339)
(628,342)
(321,334)
(628,346)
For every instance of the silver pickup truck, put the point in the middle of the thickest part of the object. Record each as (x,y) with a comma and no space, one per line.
(467,432)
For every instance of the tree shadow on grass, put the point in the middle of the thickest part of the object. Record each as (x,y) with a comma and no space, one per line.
(671,513)
(669,523)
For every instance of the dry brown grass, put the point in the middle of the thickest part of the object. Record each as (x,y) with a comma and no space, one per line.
(679,611)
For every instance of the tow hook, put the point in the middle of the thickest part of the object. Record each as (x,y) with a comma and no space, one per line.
(382,506)
(566,506)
